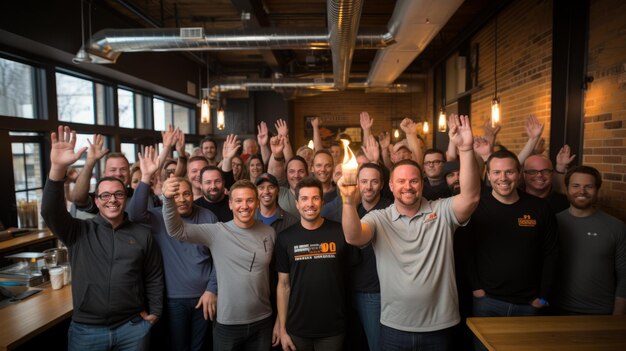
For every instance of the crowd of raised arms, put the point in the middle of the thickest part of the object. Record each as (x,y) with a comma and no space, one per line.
(269,247)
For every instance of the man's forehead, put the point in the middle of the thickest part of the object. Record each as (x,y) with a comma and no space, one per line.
(199,164)
(242,193)
(328,158)
(537,161)
(433,156)
(212,175)
(110,186)
(117,162)
(310,191)
(369,173)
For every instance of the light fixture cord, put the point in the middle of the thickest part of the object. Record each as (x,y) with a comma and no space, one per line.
(495,66)
(82,23)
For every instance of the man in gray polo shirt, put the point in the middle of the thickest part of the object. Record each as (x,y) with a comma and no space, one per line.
(412,240)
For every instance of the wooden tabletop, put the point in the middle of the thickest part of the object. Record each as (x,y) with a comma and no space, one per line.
(25,240)
(23,320)
(555,333)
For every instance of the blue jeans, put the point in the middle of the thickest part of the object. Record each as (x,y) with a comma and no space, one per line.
(248,337)
(368,307)
(490,307)
(187,326)
(329,343)
(132,335)
(394,339)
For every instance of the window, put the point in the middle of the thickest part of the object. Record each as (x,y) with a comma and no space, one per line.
(79,100)
(166,113)
(17,96)
(27,172)
(130,109)
(130,151)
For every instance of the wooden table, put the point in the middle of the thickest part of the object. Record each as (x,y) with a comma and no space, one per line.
(26,319)
(25,240)
(551,332)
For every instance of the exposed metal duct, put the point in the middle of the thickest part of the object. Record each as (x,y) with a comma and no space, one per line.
(107,45)
(343,24)
(413,25)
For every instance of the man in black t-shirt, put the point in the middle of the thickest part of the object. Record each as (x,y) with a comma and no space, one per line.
(310,265)
(538,173)
(515,252)
(214,197)
(435,186)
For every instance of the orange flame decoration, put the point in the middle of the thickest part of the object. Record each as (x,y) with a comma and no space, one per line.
(349,166)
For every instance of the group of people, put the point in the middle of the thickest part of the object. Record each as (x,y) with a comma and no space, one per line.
(267,248)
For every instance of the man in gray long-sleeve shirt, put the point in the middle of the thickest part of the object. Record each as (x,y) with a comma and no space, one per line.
(242,250)
(117,287)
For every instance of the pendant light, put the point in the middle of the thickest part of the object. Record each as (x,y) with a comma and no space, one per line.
(221,122)
(495,103)
(205,107)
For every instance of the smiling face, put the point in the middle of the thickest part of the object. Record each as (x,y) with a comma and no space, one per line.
(212,186)
(335,151)
(255,168)
(268,193)
(582,191)
(237,165)
(135,179)
(370,185)
(541,181)
(209,150)
(113,208)
(117,167)
(406,185)
(193,172)
(243,203)
(323,167)
(184,199)
(504,176)
(309,204)
(296,171)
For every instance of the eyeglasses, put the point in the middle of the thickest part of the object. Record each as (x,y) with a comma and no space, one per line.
(119,195)
(433,163)
(534,172)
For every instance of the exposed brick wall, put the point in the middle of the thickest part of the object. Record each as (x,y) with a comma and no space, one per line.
(349,104)
(605,102)
(524,70)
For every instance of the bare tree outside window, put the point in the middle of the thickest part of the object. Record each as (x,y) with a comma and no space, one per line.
(16,89)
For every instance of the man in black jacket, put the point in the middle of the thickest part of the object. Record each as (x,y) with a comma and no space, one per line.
(117,287)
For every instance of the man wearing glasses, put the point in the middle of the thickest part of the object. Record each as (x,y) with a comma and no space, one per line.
(117,287)
(538,172)
(435,186)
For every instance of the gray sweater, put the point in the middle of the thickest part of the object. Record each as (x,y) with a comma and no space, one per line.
(242,257)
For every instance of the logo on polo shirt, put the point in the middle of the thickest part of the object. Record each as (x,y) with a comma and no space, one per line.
(526,221)
(430,217)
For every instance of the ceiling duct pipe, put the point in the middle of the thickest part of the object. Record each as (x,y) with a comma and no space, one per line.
(343,24)
(108,44)
(413,24)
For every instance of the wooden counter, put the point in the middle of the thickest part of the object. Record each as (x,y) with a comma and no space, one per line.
(26,240)
(26,319)
(555,333)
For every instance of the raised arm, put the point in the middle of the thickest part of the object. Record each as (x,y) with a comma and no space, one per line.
(283,130)
(466,201)
(451,153)
(370,149)
(138,205)
(385,140)
(169,139)
(317,137)
(229,150)
(96,151)
(534,129)
(563,159)
(262,138)
(181,164)
(356,232)
(366,124)
(277,162)
(409,128)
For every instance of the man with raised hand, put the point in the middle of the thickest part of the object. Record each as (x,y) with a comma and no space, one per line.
(412,240)
(242,249)
(117,273)
(190,277)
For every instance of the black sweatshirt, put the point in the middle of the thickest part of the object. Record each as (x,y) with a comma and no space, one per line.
(116,273)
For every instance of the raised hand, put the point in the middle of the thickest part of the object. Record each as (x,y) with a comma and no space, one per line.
(408,126)
(231,145)
(281,128)
(180,143)
(482,147)
(96,149)
(170,187)
(316,122)
(62,152)
(384,139)
(277,145)
(370,149)
(533,127)
(169,136)
(148,163)
(461,133)
(366,121)
(564,158)
(540,147)
(262,135)
(490,132)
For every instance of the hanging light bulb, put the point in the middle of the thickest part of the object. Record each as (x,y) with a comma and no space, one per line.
(221,123)
(396,133)
(442,121)
(425,127)
(205,108)
(311,145)
(495,112)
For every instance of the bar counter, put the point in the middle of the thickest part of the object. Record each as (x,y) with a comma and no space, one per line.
(26,319)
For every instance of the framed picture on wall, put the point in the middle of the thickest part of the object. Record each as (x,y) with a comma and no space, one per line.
(331,132)
(473,66)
